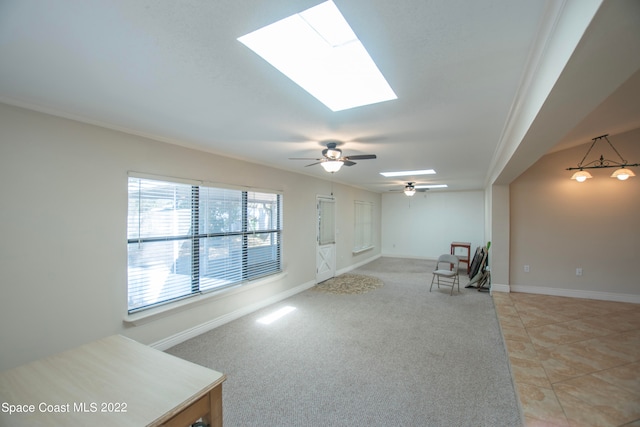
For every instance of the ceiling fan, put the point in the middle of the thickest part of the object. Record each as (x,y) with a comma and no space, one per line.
(332,158)
(410,189)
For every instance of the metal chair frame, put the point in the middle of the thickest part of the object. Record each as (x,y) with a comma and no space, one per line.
(450,276)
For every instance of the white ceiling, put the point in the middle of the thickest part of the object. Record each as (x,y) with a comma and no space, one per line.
(174,71)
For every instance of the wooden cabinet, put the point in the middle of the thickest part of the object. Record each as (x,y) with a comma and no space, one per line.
(463,251)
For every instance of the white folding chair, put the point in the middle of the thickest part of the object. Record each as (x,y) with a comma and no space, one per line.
(447,271)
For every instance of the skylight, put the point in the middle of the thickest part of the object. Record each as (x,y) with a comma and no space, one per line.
(319,51)
(418,187)
(408,173)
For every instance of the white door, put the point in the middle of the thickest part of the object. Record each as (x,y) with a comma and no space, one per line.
(326,239)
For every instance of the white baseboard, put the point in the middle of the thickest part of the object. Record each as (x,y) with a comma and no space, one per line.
(176,339)
(496,287)
(573,293)
(219,321)
(360,264)
(409,257)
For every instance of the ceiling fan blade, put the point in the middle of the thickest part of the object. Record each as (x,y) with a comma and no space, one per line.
(361,157)
(313,164)
(348,162)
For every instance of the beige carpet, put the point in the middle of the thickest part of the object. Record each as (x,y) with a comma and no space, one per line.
(349,283)
(396,356)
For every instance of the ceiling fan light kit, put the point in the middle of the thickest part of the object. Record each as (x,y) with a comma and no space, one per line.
(409,189)
(622,172)
(332,159)
(332,165)
(331,152)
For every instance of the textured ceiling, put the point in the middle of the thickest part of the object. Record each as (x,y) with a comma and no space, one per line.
(174,71)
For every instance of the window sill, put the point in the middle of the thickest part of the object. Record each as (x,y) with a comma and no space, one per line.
(359,251)
(151,314)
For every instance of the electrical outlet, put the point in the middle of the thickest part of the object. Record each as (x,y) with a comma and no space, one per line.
(526,268)
(578,272)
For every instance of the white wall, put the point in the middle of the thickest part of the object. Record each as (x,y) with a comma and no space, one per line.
(497,199)
(63,256)
(423,226)
(345,228)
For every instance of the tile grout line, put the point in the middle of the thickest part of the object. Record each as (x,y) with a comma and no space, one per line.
(513,379)
(536,348)
(537,359)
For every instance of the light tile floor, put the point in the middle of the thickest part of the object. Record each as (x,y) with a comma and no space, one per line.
(575,362)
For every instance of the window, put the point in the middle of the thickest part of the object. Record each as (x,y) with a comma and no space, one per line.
(326,221)
(185,239)
(363,229)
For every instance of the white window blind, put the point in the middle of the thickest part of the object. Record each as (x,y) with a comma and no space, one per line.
(363,226)
(187,239)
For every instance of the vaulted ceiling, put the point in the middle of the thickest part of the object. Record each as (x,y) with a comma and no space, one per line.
(484,87)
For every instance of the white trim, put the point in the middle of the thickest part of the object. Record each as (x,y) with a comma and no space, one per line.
(577,293)
(407,256)
(359,251)
(359,264)
(496,287)
(193,332)
(164,178)
(527,103)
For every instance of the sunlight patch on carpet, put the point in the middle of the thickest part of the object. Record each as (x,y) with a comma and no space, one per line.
(349,284)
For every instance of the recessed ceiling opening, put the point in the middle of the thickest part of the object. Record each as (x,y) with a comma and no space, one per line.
(319,51)
(408,173)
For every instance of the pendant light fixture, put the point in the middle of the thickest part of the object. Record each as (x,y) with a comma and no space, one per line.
(622,171)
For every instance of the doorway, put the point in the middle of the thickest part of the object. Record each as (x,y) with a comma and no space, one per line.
(326,239)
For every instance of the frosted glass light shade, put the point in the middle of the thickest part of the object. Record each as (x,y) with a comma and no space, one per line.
(581,176)
(332,165)
(622,174)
